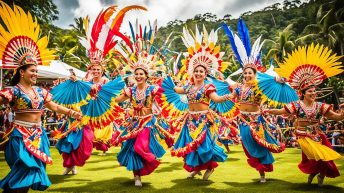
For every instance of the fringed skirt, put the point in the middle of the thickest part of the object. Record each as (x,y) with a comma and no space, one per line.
(196,142)
(141,148)
(257,141)
(76,147)
(26,153)
(102,138)
(317,155)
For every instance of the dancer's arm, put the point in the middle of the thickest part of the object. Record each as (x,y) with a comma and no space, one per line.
(61,109)
(281,111)
(335,116)
(219,99)
(179,90)
(122,97)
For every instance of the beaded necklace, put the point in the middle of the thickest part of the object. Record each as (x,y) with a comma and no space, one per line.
(311,111)
(193,91)
(33,96)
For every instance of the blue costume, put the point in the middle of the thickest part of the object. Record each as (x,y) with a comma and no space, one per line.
(27,148)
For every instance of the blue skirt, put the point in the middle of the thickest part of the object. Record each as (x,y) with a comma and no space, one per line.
(206,153)
(139,154)
(26,170)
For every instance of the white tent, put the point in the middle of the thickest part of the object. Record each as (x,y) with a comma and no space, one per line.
(58,69)
(55,70)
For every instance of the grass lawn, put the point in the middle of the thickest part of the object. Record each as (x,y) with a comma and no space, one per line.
(103,174)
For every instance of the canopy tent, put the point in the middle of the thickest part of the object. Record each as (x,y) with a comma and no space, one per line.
(57,69)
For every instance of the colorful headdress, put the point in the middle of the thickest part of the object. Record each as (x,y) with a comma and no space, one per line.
(100,40)
(20,43)
(309,66)
(140,53)
(241,46)
(203,51)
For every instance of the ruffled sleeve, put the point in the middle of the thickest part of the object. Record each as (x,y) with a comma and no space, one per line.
(127,92)
(7,93)
(324,108)
(208,89)
(46,96)
(290,108)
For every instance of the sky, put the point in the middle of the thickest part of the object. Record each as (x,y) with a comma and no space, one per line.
(162,10)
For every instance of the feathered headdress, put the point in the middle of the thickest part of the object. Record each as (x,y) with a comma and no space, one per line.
(140,53)
(203,51)
(101,38)
(241,46)
(309,65)
(20,43)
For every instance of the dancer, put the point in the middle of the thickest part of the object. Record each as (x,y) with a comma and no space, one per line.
(99,41)
(140,149)
(27,145)
(196,142)
(304,69)
(257,141)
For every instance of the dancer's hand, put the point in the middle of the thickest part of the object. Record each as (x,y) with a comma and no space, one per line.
(280,79)
(77,115)
(265,111)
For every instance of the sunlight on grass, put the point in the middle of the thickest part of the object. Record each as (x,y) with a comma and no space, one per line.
(103,174)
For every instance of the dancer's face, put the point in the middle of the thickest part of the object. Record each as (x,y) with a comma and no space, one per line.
(249,75)
(97,71)
(140,76)
(29,75)
(310,94)
(199,74)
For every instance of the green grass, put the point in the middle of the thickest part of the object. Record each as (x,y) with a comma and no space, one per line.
(103,174)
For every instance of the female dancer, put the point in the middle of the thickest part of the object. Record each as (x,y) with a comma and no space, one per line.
(305,75)
(257,141)
(27,145)
(140,149)
(197,140)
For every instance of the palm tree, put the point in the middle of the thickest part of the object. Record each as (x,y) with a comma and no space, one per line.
(329,29)
(282,44)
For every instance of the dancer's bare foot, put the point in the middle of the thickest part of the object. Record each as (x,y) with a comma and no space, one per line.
(310,178)
(207,174)
(67,170)
(194,173)
(138,181)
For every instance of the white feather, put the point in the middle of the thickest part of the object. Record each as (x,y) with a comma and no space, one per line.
(198,36)
(241,49)
(239,71)
(255,50)
(83,41)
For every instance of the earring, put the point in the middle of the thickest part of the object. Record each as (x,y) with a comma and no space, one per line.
(22,76)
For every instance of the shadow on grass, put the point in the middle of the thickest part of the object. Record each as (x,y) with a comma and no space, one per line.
(116,184)
(282,186)
(171,167)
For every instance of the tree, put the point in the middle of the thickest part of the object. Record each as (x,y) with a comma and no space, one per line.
(281,45)
(328,29)
(45,10)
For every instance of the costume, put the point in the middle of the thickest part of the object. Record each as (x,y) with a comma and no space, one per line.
(257,141)
(27,145)
(308,66)
(196,142)
(141,148)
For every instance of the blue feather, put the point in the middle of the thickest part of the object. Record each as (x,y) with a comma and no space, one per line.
(150,32)
(230,36)
(144,33)
(132,32)
(244,35)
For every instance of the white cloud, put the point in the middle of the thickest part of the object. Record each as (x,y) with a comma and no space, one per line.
(168,10)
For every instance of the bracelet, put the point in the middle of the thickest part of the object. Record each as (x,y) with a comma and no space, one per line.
(72,114)
(69,112)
